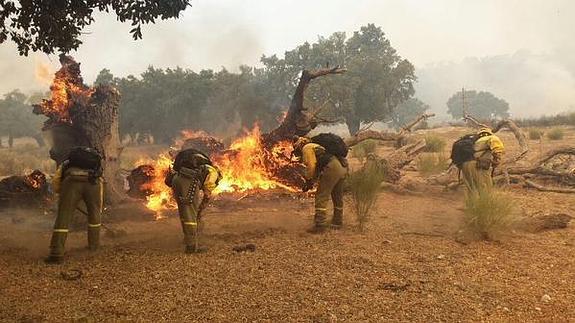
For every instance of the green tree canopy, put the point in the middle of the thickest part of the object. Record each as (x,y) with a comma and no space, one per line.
(17,119)
(482,105)
(378,79)
(51,26)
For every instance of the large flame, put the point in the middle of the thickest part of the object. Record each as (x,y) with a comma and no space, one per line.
(248,166)
(66,83)
(245,166)
(160,196)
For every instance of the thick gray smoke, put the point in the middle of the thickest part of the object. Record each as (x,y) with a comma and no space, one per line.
(522,49)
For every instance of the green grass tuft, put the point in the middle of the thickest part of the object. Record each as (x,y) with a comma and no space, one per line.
(364,148)
(555,134)
(434,144)
(431,164)
(535,134)
(488,213)
(364,186)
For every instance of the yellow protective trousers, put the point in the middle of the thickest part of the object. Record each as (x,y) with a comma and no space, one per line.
(331,182)
(73,190)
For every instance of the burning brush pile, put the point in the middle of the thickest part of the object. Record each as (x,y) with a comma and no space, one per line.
(247,166)
(30,190)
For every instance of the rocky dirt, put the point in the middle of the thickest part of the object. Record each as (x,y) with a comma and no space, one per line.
(406,267)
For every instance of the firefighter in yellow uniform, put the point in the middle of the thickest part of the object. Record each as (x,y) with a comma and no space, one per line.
(488,152)
(77,181)
(192,173)
(330,179)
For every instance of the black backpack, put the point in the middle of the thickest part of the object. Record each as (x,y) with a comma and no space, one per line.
(333,144)
(463,149)
(191,158)
(85,158)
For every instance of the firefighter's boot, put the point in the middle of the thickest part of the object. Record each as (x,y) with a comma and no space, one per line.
(337,220)
(320,225)
(93,236)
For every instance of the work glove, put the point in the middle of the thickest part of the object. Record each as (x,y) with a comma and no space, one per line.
(308,185)
(169,177)
(496,160)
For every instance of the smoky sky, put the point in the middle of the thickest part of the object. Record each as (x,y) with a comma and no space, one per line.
(521,50)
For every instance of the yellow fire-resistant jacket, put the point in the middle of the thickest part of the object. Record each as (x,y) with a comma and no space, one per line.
(57,180)
(309,159)
(212,178)
(490,143)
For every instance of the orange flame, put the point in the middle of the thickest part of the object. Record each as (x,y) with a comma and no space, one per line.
(245,166)
(64,85)
(160,197)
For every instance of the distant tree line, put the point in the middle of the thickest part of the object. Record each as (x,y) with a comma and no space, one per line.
(160,103)
(377,87)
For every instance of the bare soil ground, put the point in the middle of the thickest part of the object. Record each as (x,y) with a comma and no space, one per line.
(408,266)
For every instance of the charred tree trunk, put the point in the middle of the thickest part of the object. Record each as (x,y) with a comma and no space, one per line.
(298,121)
(84,117)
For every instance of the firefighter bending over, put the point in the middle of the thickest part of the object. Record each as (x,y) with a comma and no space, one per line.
(192,180)
(324,157)
(477,156)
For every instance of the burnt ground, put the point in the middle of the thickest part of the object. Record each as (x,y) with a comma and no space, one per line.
(408,266)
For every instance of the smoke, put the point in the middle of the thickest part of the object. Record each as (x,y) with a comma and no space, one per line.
(436,36)
(532,84)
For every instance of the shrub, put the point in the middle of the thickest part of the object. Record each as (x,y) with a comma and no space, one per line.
(555,134)
(488,213)
(434,144)
(430,164)
(535,134)
(364,186)
(364,148)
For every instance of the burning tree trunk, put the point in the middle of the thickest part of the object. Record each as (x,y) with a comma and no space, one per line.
(83,116)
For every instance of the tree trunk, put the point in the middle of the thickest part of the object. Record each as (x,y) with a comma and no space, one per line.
(10,140)
(86,117)
(298,121)
(39,140)
(353,124)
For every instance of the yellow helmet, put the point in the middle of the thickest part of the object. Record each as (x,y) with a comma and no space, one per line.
(485,132)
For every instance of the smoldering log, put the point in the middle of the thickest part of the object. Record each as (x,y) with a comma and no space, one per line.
(30,190)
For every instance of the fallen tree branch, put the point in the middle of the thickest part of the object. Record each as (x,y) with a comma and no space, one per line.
(410,126)
(384,135)
(542,188)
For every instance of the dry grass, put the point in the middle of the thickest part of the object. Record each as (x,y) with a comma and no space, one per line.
(431,164)
(555,134)
(488,213)
(24,158)
(364,186)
